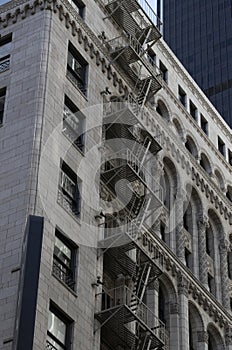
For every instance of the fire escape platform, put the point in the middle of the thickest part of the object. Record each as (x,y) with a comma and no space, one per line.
(116,248)
(117,319)
(131,172)
(124,115)
(130,16)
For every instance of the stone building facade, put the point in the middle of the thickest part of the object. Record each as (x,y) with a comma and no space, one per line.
(116,190)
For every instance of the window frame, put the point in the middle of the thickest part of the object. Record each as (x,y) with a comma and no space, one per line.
(72,200)
(2,103)
(221,146)
(79,75)
(204,125)
(182,96)
(80,6)
(72,269)
(57,312)
(72,112)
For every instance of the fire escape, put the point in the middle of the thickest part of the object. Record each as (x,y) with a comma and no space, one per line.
(130,269)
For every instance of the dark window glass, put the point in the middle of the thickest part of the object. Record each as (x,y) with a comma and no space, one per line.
(193,110)
(73,124)
(5,50)
(59,330)
(77,69)
(2,103)
(69,190)
(79,6)
(221,146)
(164,72)
(230,157)
(182,96)
(64,257)
(204,125)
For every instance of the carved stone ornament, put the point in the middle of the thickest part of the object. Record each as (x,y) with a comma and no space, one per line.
(202,337)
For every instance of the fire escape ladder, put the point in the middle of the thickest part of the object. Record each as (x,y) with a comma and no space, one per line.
(146,343)
(141,283)
(144,91)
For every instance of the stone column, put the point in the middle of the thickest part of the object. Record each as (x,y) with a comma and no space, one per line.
(223,250)
(183,313)
(203,269)
(202,338)
(179,214)
(174,341)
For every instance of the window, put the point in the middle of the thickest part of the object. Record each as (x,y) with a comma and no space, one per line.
(2,104)
(69,190)
(73,124)
(78,6)
(182,96)
(164,71)
(229,156)
(193,110)
(221,146)
(162,231)
(204,125)
(64,257)
(59,330)
(77,69)
(5,49)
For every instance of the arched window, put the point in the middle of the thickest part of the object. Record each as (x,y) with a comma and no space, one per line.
(215,341)
(219,178)
(205,164)
(162,110)
(191,146)
(196,326)
(229,193)
(161,305)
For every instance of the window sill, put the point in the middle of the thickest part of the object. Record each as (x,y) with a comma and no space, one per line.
(66,286)
(72,215)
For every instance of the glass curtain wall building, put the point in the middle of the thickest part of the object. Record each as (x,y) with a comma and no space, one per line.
(200,34)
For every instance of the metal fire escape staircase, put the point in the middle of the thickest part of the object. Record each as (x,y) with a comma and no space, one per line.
(130,51)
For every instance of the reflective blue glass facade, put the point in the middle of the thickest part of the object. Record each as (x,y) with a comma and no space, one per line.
(200,34)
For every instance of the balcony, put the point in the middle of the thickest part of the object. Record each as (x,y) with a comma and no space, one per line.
(126,321)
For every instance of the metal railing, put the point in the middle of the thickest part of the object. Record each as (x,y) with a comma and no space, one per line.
(49,346)
(4,65)
(121,42)
(126,156)
(147,10)
(63,273)
(76,82)
(123,296)
(68,203)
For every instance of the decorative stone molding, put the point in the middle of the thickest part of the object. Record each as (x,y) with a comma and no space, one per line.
(202,337)
(183,285)
(228,335)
